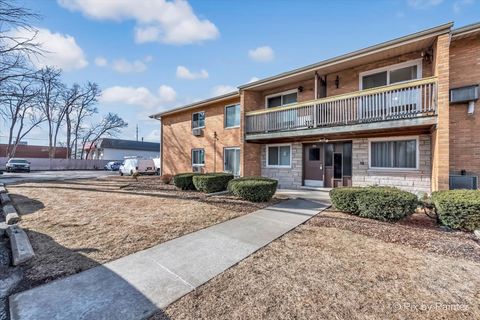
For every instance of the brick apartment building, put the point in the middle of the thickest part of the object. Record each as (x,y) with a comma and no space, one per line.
(401,113)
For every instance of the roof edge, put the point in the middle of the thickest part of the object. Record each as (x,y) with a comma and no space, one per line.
(473,27)
(195,104)
(446,27)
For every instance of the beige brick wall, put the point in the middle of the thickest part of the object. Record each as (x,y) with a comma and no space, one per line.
(416,181)
(178,140)
(441,140)
(464,128)
(288,178)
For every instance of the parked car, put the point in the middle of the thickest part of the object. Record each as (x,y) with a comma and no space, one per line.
(112,166)
(142,166)
(16,165)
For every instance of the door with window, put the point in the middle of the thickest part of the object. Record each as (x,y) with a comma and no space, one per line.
(231,161)
(338,164)
(393,103)
(313,165)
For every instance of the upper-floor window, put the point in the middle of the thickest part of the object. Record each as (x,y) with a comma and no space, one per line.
(396,73)
(198,120)
(281,99)
(232,116)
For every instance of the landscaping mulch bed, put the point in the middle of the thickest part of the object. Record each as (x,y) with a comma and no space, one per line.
(78,224)
(338,266)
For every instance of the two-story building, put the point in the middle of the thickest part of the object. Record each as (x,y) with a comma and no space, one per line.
(400,113)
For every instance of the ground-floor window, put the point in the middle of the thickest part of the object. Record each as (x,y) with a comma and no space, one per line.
(198,157)
(279,155)
(394,153)
(231,160)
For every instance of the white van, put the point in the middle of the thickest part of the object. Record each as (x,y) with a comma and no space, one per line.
(132,165)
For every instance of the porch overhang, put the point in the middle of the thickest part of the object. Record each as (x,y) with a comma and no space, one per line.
(392,126)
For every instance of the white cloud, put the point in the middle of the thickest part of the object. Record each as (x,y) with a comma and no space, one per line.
(459,5)
(261,54)
(253,79)
(138,96)
(153,135)
(61,51)
(125,66)
(101,61)
(171,22)
(166,94)
(423,4)
(184,73)
(223,89)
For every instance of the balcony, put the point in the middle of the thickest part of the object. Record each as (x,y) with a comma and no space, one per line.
(405,104)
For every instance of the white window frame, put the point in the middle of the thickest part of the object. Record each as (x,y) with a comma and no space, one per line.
(417,153)
(225,115)
(239,166)
(278,145)
(204,121)
(415,62)
(281,94)
(198,165)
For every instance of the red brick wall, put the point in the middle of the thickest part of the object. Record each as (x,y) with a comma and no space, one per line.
(29,151)
(178,140)
(464,128)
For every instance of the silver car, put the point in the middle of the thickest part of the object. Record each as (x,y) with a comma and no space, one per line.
(16,165)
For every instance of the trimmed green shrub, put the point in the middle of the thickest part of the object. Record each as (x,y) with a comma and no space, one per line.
(385,203)
(255,189)
(212,182)
(458,209)
(184,181)
(345,199)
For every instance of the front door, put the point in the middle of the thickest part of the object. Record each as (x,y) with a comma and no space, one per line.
(313,165)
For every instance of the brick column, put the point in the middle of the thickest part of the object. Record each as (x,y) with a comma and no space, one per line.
(441,136)
(250,153)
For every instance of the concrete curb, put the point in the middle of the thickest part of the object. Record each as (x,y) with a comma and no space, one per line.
(5,198)
(10,214)
(22,250)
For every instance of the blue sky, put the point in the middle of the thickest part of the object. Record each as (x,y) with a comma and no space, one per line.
(149,56)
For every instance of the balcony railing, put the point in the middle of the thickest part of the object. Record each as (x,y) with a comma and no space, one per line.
(401,101)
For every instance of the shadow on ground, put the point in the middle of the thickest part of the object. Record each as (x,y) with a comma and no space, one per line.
(80,295)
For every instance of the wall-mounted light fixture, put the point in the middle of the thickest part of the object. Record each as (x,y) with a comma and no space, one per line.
(428,55)
(337,82)
(300,89)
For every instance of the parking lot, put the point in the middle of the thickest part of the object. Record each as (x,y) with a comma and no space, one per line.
(37,176)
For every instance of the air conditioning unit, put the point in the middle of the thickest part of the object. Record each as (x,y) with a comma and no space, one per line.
(197,132)
(197,169)
(467,94)
(463,182)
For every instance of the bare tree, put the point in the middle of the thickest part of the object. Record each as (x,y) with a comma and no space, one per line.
(81,110)
(15,50)
(109,126)
(50,94)
(20,111)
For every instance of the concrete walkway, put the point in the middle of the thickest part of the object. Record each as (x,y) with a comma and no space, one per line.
(137,285)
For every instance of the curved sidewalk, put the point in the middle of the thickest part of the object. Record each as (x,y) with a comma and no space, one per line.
(135,286)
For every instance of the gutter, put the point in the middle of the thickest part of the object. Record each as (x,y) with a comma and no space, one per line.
(220,98)
(441,29)
(471,28)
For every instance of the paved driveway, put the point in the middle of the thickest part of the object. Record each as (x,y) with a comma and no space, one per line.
(36,176)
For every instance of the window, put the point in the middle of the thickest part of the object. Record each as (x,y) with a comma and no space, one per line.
(314,154)
(231,161)
(401,72)
(198,157)
(232,116)
(281,99)
(278,156)
(398,154)
(198,120)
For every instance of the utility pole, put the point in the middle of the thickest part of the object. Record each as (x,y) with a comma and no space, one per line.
(137,131)
(215,138)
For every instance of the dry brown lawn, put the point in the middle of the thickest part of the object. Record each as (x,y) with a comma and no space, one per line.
(78,224)
(338,266)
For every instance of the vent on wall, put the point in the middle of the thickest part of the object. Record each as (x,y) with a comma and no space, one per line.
(197,132)
(463,182)
(464,94)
